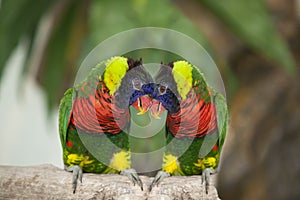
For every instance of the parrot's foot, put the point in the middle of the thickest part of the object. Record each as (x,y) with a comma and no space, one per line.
(158,178)
(77,174)
(133,176)
(206,177)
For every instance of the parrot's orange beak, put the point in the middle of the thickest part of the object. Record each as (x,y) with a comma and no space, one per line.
(142,104)
(157,109)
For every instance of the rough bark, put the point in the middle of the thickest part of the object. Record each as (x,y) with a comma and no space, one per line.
(49,182)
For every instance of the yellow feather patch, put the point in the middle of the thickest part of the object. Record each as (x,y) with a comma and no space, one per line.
(209,162)
(121,161)
(116,68)
(182,73)
(170,163)
(75,159)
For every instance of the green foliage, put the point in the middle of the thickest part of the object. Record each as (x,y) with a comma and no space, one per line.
(251,21)
(64,48)
(18,19)
(78,26)
(134,14)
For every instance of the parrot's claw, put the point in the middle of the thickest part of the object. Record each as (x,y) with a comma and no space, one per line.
(133,176)
(206,177)
(158,178)
(77,174)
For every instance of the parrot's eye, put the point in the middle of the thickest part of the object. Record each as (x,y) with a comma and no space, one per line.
(137,84)
(162,88)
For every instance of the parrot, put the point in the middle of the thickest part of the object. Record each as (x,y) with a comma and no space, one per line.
(196,123)
(94,118)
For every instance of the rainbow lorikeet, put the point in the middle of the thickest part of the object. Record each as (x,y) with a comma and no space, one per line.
(94,118)
(196,122)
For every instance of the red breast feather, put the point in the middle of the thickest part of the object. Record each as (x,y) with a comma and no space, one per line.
(194,119)
(96,114)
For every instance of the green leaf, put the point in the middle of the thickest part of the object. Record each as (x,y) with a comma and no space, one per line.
(111,17)
(251,21)
(18,18)
(58,67)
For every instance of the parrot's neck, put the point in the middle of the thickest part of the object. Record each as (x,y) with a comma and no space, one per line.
(170,102)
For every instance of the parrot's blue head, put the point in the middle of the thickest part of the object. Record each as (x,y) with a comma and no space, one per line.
(164,99)
(164,92)
(131,90)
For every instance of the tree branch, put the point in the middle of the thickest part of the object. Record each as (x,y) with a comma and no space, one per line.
(49,182)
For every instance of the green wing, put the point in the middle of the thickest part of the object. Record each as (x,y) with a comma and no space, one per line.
(65,110)
(90,81)
(201,84)
(222,117)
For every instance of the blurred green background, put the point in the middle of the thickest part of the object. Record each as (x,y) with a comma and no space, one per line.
(254,43)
